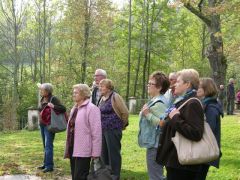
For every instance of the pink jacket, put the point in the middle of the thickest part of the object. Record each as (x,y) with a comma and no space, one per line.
(88,131)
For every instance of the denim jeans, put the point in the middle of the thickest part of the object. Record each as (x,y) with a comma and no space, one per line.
(155,171)
(47,139)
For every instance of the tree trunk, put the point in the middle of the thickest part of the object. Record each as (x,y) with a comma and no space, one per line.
(129,48)
(15,99)
(150,39)
(49,52)
(40,45)
(44,41)
(146,52)
(139,53)
(86,37)
(215,54)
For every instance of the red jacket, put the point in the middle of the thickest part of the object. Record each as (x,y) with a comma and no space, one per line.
(45,115)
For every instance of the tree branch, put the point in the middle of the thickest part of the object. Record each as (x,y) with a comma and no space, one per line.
(6,68)
(198,13)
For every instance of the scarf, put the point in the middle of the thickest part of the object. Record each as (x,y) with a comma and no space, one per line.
(71,127)
(186,95)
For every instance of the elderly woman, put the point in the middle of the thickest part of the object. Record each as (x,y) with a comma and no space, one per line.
(207,92)
(150,125)
(84,133)
(114,116)
(48,102)
(188,121)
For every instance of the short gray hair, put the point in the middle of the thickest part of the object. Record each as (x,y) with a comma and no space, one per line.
(47,87)
(191,76)
(173,75)
(102,72)
(84,90)
(231,80)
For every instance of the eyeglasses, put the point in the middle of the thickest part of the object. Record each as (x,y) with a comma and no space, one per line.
(150,84)
(97,75)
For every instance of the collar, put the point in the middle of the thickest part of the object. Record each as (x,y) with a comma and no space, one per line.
(83,104)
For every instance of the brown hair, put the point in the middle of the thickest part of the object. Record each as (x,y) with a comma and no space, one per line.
(161,81)
(209,87)
(108,83)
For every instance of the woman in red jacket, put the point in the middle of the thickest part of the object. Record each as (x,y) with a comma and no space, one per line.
(47,102)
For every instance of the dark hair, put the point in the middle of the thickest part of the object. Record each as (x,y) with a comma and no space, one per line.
(161,81)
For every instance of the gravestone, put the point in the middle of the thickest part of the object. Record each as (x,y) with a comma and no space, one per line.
(33,118)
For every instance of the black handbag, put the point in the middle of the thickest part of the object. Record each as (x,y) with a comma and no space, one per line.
(98,171)
(58,121)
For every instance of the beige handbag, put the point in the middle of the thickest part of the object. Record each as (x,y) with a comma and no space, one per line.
(196,152)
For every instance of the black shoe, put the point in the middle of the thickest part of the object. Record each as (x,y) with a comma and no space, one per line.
(47,170)
(41,167)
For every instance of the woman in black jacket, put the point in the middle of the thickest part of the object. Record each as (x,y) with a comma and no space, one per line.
(189,122)
(207,92)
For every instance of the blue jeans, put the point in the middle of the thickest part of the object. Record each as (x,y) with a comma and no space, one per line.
(47,139)
(155,171)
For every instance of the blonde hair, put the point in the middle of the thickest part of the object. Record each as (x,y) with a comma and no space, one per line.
(83,89)
(108,83)
(191,76)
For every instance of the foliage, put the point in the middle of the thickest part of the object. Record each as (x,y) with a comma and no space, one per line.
(167,39)
(21,152)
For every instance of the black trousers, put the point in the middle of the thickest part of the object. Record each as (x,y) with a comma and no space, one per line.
(203,173)
(79,166)
(111,150)
(180,174)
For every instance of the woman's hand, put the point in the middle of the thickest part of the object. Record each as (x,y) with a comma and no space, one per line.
(145,110)
(161,123)
(51,105)
(173,113)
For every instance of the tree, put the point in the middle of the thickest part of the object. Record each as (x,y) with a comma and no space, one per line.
(11,26)
(129,48)
(209,13)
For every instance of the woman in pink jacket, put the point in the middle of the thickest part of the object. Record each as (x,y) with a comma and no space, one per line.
(84,133)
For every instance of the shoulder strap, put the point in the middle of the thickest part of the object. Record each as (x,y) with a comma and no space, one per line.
(152,104)
(51,99)
(188,101)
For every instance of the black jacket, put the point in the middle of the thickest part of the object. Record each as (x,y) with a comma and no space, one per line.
(190,123)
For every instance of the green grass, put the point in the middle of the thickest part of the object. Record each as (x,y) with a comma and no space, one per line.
(22,151)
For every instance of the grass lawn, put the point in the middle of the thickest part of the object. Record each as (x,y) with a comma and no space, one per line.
(21,152)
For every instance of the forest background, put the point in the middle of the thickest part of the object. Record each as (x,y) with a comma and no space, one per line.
(64,41)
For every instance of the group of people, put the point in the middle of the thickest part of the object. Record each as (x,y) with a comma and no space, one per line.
(229,96)
(94,126)
(99,115)
(160,118)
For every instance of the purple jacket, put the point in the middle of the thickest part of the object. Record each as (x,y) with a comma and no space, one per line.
(88,131)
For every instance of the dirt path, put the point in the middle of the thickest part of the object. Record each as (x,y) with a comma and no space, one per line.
(19,177)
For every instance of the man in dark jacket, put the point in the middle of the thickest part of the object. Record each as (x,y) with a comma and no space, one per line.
(230,97)
(98,76)
(222,96)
